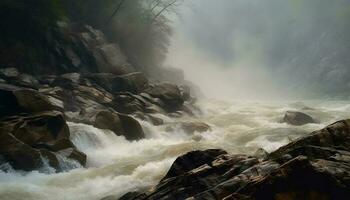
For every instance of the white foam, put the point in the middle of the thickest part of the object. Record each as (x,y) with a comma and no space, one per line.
(116,166)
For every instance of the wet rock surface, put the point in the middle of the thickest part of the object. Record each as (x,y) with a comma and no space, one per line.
(189,127)
(33,119)
(313,167)
(170,94)
(193,127)
(297,118)
(85,79)
(27,139)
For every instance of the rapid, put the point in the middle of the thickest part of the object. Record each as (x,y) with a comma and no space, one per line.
(116,166)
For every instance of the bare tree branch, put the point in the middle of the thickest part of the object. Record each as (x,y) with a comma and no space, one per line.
(156,5)
(162,10)
(115,11)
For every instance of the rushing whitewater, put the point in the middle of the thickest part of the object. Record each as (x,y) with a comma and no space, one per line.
(116,166)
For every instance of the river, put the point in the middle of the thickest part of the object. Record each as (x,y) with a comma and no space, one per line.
(116,166)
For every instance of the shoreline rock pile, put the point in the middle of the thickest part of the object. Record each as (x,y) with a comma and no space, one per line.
(314,167)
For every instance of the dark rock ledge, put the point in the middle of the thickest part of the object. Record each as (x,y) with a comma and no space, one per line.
(33,112)
(315,167)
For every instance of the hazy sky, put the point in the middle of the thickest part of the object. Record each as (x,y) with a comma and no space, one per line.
(264,49)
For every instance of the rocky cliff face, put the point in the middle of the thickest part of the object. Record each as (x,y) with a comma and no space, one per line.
(90,82)
(315,167)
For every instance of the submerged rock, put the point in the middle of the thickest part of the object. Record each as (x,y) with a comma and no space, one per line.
(297,118)
(189,127)
(192,127)
(313,167)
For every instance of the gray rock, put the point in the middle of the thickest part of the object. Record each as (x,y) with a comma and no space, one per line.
(170,94)
(297,118)
(9,72)
(132,128)
(26,139)
(15,99)
(108,120)
(313,167)
(192,127)
(134,82)
(120,124)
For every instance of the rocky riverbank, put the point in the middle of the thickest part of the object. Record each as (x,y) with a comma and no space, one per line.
(313,167)
(34,111)
(92,83)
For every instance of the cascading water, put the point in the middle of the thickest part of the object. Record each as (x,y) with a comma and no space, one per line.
(116,166)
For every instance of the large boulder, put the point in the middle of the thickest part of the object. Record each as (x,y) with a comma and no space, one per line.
(297,118)
(313,167)
(43,127)
(170,94)
(192,160)
(128,103)
(78,95)
(132,128)
(18,154)
(15,99)
(33,101)
(110,58)
(120,124)
(109,120)
(28,138)
(132,82)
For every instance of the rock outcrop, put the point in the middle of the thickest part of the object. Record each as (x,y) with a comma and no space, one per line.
(27,139)
(170,94)
(297,118)
(82,78)
(313,167)
(33,119)
(15,99)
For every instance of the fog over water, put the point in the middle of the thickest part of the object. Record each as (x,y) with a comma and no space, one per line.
(253,59)
(271,49)
(116,166)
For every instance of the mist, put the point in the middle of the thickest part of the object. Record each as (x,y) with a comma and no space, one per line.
(271,49)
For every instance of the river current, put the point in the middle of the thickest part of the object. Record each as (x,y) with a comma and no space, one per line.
(116,166)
